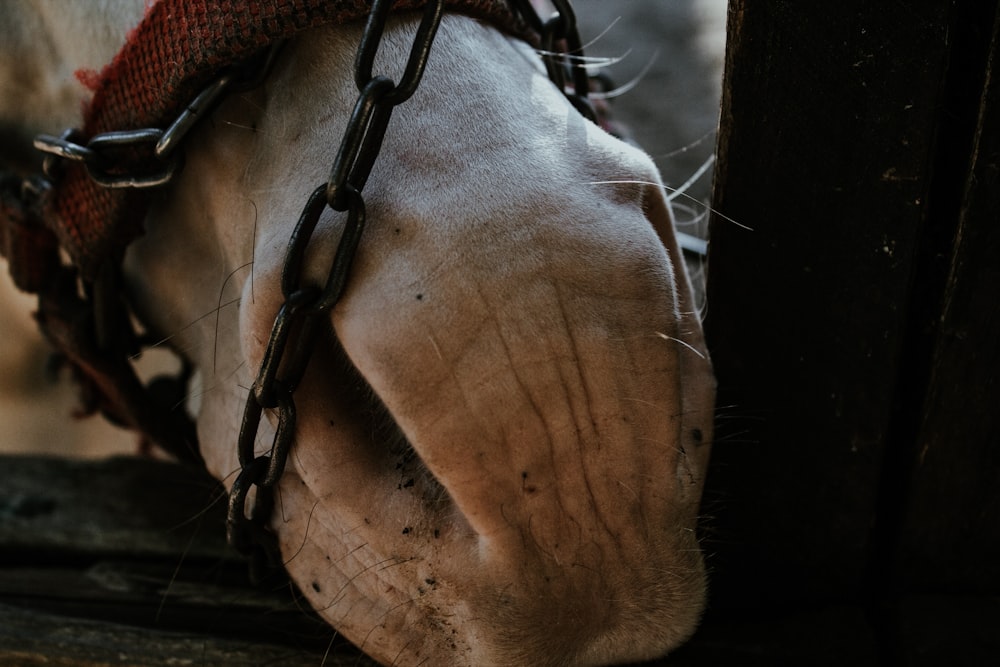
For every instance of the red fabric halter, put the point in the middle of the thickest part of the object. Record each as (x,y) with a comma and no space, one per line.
(178,48)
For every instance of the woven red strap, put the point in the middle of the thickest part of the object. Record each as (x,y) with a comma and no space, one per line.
(179,47)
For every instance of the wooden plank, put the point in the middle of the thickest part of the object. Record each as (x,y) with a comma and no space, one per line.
(953,630)
(126,506)
(817,636)
(855,330)
(123,561)
(29,638)
(951,534)
(170,594)
(826,150)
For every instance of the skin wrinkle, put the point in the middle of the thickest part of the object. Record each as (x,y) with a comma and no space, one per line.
(575,360)
(521,385)
(673,390)
(553,432)
(580,441)
(509,354)
(606,521)
(589,411)
(462,394)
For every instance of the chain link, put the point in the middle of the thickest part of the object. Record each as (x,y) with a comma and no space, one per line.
(110,157)
(293,334)
(562,52)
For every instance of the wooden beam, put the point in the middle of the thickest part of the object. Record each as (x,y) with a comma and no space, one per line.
(950,533)
(825,192)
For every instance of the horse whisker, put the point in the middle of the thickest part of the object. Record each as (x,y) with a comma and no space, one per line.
(631,83)
(667,188)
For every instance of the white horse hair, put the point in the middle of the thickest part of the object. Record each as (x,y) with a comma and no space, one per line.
(503,436)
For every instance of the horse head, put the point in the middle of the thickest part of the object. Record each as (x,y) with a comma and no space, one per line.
(504,425)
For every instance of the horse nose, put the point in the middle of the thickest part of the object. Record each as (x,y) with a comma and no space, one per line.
(541,378)
(541,373)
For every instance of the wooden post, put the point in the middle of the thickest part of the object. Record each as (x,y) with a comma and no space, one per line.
(855,326)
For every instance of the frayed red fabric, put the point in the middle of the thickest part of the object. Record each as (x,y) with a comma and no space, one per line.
(177,49)
(88,78)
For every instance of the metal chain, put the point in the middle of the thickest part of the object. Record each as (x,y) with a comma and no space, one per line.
(295,328)
(562,51)
(293,334)
(109,158)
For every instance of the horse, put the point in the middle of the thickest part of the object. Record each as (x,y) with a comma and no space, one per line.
(504,424)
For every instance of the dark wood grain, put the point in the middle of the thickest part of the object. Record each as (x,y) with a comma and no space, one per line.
(826,154)
(951,531)
(123,561)
(855,327)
